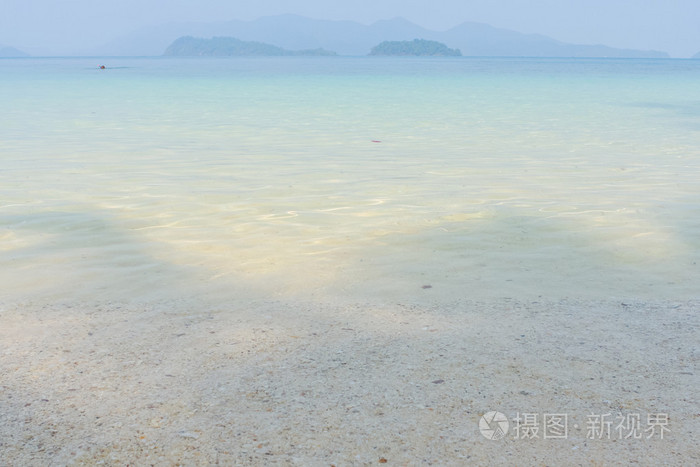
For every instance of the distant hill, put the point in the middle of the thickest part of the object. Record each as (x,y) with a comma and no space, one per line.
(477,39)
(350,38)
(697,55)
(230,46)
(415,47)
(11,52)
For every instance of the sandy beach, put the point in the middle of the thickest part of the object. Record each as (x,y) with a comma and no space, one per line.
(304,383)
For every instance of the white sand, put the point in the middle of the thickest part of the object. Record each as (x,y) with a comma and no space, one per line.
(302,383)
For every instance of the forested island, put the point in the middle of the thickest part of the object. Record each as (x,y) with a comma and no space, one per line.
(417,47)
(230,46)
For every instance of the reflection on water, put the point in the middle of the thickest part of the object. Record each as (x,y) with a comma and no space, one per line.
(154,184)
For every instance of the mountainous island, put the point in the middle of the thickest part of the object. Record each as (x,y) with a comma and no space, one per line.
(231,47)
(293,32)
(697,55)
(417,47)
(11,52)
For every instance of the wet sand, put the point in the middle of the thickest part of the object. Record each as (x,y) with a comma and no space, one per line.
(308,383)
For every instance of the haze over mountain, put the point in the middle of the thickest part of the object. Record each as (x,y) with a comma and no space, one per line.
(11,52)
(352,38)
(188,46)
(79,27)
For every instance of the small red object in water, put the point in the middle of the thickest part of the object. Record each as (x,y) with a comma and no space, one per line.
(375,141)
(102,67)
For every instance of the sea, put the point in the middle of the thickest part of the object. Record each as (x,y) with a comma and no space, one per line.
(368,179)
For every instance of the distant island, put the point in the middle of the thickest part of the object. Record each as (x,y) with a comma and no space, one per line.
(351,38)
(416,47)
(697,55)
(189,46)
(11,52)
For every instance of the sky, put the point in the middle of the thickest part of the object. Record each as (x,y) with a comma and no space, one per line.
(68,26)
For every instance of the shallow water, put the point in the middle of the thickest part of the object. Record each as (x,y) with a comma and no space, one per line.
(359,178)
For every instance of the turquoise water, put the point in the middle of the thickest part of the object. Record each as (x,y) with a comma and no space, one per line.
(359,178)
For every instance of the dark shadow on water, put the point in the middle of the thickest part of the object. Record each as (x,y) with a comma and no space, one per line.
(88,257)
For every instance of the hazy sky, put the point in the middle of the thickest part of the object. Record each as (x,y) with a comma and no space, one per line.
(63,26)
